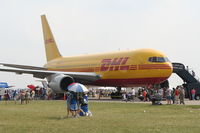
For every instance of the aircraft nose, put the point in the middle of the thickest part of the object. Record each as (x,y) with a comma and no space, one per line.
(169,68)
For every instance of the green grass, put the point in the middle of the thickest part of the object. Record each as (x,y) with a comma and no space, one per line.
(48,117)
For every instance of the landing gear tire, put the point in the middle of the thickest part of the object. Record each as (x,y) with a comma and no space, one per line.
(197,97)
(117,95)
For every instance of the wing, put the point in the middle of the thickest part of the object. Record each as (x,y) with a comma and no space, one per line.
(38,73)
(23,66)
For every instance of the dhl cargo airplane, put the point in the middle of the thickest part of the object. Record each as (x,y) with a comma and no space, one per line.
(119,69)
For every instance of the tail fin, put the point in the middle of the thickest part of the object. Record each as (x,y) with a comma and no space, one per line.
(52,51)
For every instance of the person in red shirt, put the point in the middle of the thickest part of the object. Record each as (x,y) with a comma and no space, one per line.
(193,92)
(176,95)
(145,95)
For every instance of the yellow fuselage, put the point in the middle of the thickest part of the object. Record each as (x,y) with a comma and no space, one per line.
(123,68)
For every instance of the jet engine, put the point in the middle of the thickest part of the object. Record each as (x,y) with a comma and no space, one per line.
(59,82)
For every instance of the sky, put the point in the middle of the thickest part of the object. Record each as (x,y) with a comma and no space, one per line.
(95,26)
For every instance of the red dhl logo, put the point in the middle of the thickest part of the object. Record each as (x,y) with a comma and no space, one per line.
(114,64)
(49,41)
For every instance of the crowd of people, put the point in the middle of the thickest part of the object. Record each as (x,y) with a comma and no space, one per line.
(77,103)
(172,96)
(25,95)
(96,92)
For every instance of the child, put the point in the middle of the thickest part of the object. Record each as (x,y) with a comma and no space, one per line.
(84,111)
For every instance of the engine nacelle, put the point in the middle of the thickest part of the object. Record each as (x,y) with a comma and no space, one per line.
(59,82)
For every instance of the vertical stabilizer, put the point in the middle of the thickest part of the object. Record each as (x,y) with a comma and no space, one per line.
(52,51)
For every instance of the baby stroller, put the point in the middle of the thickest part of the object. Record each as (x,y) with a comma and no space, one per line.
(129,97)
(156,99)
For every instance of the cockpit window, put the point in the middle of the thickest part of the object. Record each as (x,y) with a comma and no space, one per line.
(159,59)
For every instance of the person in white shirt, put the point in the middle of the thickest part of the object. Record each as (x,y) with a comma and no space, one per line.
(133,94)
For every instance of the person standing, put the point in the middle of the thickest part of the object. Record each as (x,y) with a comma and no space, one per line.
(6,96)
(27,96)
(173,95)
(160,92)
(145,95)
(68,103)
(22,96)
(168,95)
(15,96)
(133,94)
(73,104)
(100,93)
(124,96)
(176,95)
(193,73)
(32,95)
(182,95)
(193,92)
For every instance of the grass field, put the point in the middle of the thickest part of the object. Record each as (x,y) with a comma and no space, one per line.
(49,117)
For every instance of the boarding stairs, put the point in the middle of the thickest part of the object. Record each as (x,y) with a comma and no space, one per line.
(189,78)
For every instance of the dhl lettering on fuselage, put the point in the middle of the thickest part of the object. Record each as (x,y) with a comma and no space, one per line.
(114,64)
(120,64)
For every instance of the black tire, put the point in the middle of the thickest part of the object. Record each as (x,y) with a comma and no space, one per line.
(197,97)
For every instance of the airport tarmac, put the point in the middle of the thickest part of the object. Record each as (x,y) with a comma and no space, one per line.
(187,102)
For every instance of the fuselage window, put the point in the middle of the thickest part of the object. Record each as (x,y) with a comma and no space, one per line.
(158,59)
(166,59)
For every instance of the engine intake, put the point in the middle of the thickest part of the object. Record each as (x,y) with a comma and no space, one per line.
(59,82)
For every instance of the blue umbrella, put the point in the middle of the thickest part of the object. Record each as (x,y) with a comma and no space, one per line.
(77,87)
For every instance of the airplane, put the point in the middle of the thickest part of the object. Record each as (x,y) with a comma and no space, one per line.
(129,68)
(5,85)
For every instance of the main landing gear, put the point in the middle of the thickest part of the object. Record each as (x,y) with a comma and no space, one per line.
(118,94)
